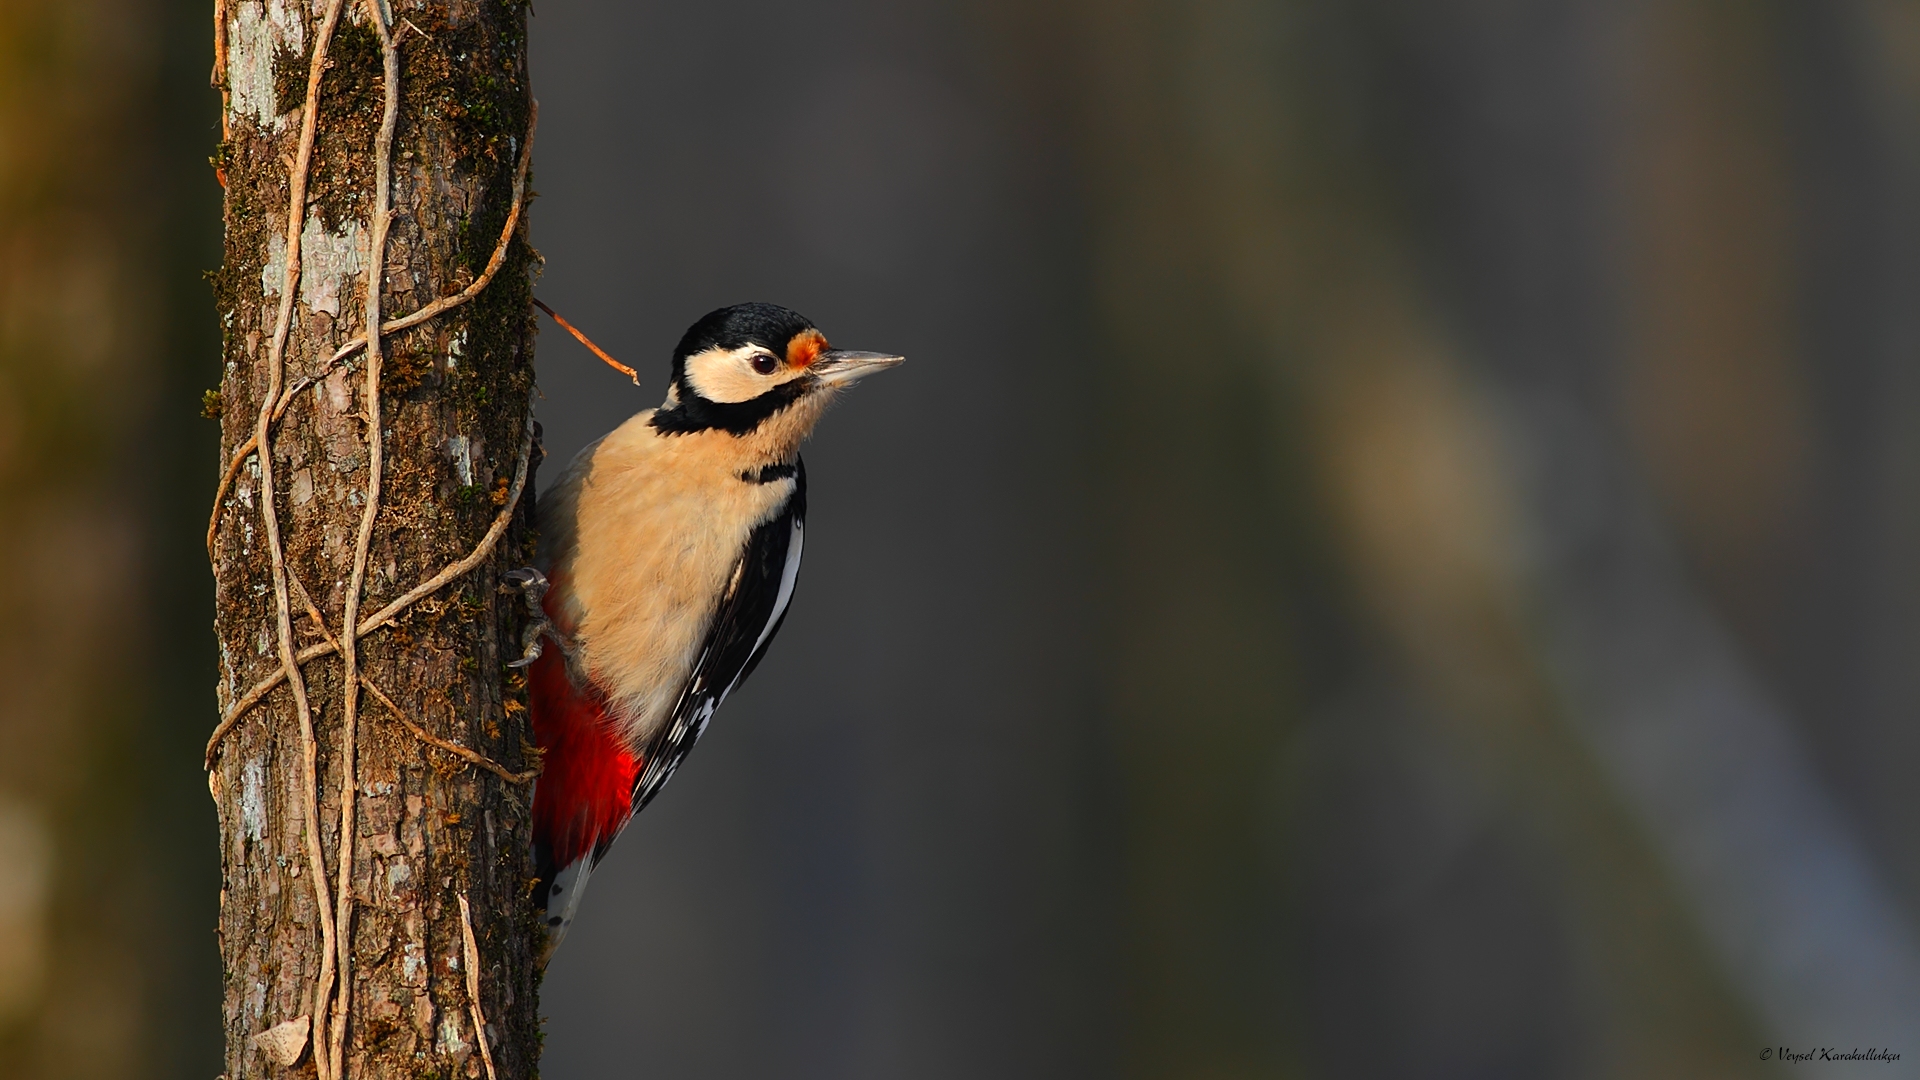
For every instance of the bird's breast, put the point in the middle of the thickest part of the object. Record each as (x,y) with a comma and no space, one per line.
(657,525)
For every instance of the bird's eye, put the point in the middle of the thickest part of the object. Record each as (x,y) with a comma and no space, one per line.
(764,364)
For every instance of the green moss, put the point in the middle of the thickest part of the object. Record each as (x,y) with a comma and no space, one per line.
(236,281)
(464,109)
(354,71)
(403,370)
(210,405)
(352,98)
(289,78)
(477,86)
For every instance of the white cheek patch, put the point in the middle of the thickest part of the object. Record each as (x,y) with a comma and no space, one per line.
(727,376)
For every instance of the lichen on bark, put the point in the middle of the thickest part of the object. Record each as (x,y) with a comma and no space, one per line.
(429,828)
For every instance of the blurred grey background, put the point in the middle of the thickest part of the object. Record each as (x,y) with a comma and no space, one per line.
(1395,552)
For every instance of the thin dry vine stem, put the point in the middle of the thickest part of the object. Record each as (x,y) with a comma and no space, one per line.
(418,731)
(472,950)
(386,615)
(219,77)
(276,367)
(382,221)
(246,450)
(588,342)
(471,757)
(494,262)
(405,322)
(263,439)
(336,926)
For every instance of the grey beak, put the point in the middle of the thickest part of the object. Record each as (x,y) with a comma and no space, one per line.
(838,367)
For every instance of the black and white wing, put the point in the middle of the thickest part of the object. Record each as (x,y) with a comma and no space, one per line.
(750,614)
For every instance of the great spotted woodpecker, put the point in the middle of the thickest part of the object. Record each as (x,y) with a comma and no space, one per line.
(668,555)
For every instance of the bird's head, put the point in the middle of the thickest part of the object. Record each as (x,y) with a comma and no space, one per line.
(741,366)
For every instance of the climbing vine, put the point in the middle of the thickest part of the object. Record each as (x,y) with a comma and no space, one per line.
(338,65)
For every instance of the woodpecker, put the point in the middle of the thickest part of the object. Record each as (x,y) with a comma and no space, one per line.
(668,554)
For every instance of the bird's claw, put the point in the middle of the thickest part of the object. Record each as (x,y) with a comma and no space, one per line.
(530,643)
(532,585)
(528,582)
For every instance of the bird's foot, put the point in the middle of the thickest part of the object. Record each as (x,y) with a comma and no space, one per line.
(529,583)
(532,585)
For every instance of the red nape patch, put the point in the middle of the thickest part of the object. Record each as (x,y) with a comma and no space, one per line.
(585,792)
(806,346)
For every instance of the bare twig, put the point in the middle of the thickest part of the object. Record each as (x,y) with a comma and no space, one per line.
(392,611)
(473,984)
(437,307)
(584,340)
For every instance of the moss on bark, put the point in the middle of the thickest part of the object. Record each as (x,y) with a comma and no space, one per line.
(455,389)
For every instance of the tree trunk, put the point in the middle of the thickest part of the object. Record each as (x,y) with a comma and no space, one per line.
(423,106)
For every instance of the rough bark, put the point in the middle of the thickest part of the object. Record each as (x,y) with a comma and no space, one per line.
(450,397)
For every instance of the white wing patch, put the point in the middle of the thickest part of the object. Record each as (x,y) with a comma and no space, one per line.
(789,574)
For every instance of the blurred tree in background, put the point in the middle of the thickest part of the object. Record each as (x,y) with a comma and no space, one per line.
(1496,271)
(106,207)
(1397,554)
